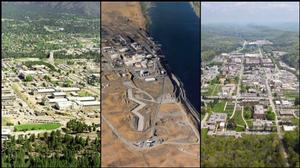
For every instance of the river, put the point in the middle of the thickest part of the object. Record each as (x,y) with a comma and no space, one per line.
(176,27)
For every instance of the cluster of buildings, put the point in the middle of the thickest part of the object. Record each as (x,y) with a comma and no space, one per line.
(217,121)
(64,98)
(141,61)
(256,73)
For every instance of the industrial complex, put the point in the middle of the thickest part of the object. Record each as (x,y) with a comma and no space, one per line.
(141,93)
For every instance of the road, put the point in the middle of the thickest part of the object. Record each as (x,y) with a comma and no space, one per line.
(116,133)
(137,109)
(244,118)
(204,120)
(270,97)
(155,118)
(238,89)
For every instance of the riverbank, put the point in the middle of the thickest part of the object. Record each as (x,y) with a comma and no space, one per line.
(196,7)
(171,25)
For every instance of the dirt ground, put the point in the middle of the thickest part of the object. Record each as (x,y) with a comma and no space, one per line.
(115,154)
(113,12)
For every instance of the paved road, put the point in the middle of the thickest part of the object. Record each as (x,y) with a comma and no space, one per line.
(270,97)
(204,120)
(125,141)
(238,89)
(244,118)
(137,109)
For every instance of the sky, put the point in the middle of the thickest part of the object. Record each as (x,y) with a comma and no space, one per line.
(249,12)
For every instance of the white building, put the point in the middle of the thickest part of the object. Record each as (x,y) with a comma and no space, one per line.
(67,89)
(64,105)
(86,98)
(288,128)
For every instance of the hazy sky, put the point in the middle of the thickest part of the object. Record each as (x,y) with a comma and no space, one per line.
(249,12)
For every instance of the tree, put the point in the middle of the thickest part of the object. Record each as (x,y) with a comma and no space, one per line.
(231,124)
(270,115)
(28,78)
(87,140)
(297,101)
(47,78)
(32,137)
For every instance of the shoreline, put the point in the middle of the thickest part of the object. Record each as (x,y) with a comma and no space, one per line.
(146,6)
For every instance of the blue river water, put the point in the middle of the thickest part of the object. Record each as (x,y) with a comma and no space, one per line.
(176,27)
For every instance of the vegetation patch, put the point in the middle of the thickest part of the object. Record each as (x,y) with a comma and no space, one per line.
(43,126)
(247,151)
(31,63)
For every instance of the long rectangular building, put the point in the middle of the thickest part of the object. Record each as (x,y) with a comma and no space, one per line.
(86,98)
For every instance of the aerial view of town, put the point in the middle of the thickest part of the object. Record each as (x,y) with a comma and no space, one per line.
(50,85)
(250,85)
(146,116)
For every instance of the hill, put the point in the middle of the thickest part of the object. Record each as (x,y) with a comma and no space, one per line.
(16,9)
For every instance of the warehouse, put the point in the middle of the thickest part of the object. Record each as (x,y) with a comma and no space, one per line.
(94,104)
(43,91)
(87,98)
(48,101)
(67,89)
(64,105)
(59,94)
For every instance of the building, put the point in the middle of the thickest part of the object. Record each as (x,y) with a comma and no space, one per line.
(285,103)
(259,112)
(23,73)
(92,104)
(86,98)
(47,91)
(130,61)
(288,127)
(5,133)
(48,101)
(286,112)
(150,79)
(59,94)
(216,120)
(262,125)
(67,89)
(64,105)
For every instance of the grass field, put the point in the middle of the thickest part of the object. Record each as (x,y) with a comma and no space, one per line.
(238,118)
(213,90)
(290,94)
(204,134)
(219,107)
(229,109)
(239,129)
(83,93)
(295,121)
(249,122)
(44,126)
(16,89)
(5,121)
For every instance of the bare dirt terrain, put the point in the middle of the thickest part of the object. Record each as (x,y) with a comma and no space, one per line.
(115,153)
(172,128)
(131,11)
